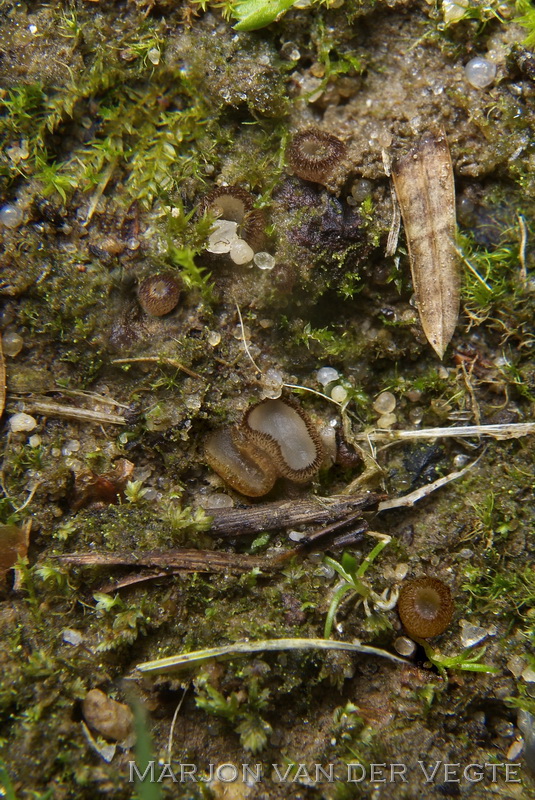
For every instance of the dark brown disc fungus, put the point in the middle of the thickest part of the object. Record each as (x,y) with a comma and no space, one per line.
(425,607)
(275,439)
(158,294)
(313,154)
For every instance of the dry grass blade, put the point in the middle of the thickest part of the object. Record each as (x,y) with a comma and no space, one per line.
(2,379)
(185,660)
(506,430)
(423,180)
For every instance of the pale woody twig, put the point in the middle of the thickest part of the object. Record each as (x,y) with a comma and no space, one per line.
(72,412)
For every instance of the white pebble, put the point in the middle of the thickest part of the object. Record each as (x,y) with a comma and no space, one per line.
(72,636)
(529,675)
(480,72)
(154,56)
(218,500)
(328,439)
(385,403)
(241,252)
(454,10)
(296,536)
(22,422)
(386,421)
(516,665)
(35,440)
(472,634)
(338,394)
(214,337)
(264,260)
(401,571)
(12,343)
(515,750)
(224,233)
(10,216)
(327,375)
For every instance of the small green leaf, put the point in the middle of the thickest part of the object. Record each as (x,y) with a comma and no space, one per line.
(255,14)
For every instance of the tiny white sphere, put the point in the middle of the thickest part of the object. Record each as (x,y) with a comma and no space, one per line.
(10,216)
(327,375)
(264,260)
(384,403)
(22,422)
(480,72)
(338,394)
(241,252)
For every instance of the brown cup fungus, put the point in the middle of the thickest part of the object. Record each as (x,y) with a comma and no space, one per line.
(235,204)
(314,154)
(158,294)
(274,439)
(425,607)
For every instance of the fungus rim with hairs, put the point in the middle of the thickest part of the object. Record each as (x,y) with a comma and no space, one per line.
(159,294)
(313,154)
(425,607)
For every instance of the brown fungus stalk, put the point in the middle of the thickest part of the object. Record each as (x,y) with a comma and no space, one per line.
(314,154)
(425,607)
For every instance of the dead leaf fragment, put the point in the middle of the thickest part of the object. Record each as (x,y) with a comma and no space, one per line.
(13,543)
(423,180)
(111,719)
(2,379)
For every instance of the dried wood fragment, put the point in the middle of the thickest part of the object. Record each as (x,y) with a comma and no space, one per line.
(185,559)
(289,513)
(423,180)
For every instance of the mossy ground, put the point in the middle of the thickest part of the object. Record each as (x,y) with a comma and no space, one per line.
(116,118)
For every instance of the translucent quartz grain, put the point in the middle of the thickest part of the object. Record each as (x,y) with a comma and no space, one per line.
(327,375)
(264,260)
